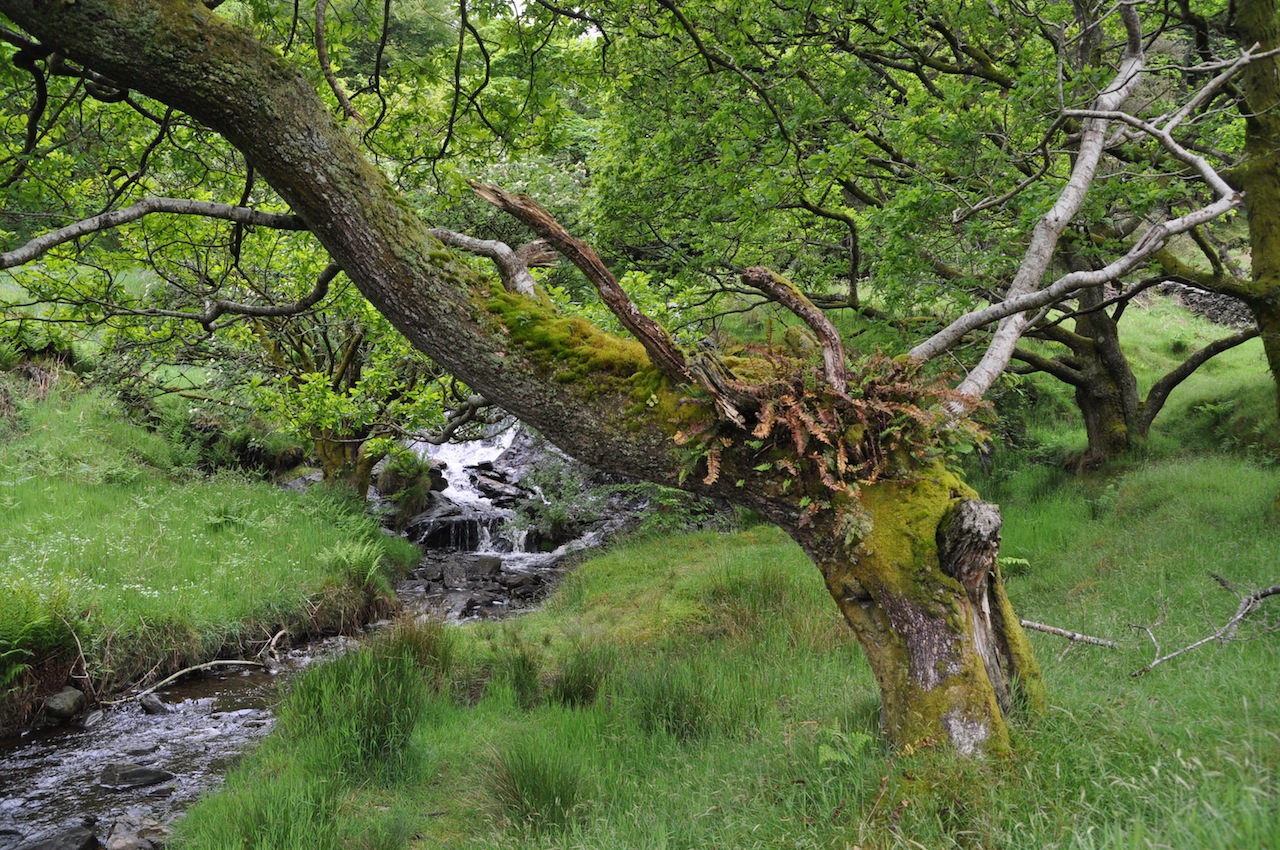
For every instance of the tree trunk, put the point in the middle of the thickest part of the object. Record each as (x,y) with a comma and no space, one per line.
(922,590)
(344,463)
(1258,22)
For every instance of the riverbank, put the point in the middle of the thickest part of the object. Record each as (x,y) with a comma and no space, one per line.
(700,690)
(121,563)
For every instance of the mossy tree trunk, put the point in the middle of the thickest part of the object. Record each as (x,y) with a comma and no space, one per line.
(933,618)
(1258,22)
(922,590)
(345,462)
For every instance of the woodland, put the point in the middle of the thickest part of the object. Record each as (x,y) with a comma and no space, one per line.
(803,258)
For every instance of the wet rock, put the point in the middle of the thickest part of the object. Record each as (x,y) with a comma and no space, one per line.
(67,702)
(500,493)
(119,776)
(455,573)
(431,570)
(152,704)
(484,566)
(76,838)
(137,833)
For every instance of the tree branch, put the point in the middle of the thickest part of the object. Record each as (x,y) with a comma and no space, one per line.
(512,266)
(662,351)
(1074,637)
(216,309)
(783,291)
(244,215)
(1160,391)
(1044,238)
(1247,606)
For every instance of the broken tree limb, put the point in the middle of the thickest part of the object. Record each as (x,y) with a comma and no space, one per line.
(227,663)
(657,342)
(783,291)
(1074,637)
(1227,632)
(512,264)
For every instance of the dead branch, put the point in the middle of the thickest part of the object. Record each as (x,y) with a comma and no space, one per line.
(656,341)
(194,669)
(178,206)
(783,291)
(1074,637)
(513,266)
(1248,604)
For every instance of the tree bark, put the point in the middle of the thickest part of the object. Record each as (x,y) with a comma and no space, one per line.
(936,640)
(922,590)
(1258,22)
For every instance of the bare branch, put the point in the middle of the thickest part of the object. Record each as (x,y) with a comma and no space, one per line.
(783,291)
(1074,637)
(1247,606)
(512,268)
(656,341)
(244,215)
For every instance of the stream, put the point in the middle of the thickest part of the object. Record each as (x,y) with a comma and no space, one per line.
(117,777)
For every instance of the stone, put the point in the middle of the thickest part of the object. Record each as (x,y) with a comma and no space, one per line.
(67,702)
(152,704)
(76,838)
(120,776)
(483,566)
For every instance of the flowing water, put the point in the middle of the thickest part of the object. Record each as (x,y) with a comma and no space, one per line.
(52,780)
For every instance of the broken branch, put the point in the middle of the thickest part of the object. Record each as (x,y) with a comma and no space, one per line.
(1247,606)
(656,341)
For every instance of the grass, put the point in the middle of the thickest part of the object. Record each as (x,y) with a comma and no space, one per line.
(112,549)
(731,708)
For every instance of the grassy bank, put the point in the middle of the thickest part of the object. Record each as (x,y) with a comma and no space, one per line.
(118,561)
(701,691)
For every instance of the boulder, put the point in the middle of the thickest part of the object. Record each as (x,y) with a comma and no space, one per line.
(76,838)
(119,776)
(67,702)
(152,704)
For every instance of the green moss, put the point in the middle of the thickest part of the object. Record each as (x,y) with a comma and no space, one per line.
(571,350)
(905,515)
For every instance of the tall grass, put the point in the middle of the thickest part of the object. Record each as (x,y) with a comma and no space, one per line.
(346,726)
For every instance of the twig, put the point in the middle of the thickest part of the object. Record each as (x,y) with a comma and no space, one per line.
(1247,606)
(1074,637)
